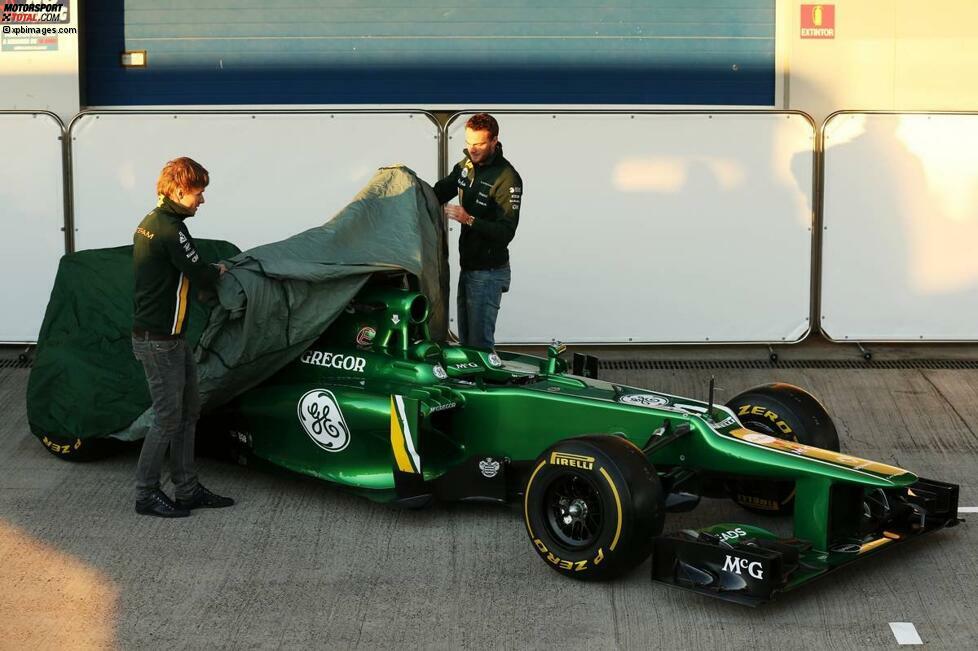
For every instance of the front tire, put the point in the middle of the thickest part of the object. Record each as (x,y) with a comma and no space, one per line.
(786,412)
(592,506)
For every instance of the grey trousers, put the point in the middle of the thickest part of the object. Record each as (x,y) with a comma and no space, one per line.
(172,376)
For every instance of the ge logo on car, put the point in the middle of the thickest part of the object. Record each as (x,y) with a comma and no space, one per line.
(323,421)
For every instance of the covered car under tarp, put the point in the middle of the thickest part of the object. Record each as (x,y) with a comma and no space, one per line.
(85,382)
(274,301)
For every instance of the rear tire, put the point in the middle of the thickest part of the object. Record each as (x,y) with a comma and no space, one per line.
(786,412)
(592,507)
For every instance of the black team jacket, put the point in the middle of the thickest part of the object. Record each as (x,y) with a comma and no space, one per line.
(166,265)
(490,192)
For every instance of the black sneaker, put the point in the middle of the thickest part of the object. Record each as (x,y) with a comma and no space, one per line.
(204,499)
(158,504)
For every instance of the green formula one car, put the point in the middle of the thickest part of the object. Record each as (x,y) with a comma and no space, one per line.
(376,406)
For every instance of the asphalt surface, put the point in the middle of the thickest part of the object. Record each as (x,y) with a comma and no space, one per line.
(298,564)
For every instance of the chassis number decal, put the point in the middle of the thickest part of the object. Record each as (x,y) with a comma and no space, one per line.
(323,421)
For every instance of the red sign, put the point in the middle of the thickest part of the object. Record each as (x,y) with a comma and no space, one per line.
(818,21)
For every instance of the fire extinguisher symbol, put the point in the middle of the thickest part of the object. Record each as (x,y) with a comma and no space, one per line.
(817,15)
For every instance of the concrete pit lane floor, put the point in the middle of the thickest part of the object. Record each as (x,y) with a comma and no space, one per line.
(297,564)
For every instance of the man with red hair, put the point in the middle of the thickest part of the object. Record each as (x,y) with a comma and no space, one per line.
(166,266)
(489,190)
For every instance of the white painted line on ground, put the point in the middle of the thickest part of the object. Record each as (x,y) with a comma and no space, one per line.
(905,633)
(968,509)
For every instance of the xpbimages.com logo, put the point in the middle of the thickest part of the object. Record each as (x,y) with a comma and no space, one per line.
(34,12)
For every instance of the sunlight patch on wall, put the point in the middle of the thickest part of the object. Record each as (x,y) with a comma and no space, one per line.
(947,148)
(946,228)
(653,174)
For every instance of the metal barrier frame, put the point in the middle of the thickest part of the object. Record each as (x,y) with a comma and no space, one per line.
(817,314)
(814,280)
(443,163)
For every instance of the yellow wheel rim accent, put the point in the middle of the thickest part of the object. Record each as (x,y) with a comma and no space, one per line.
(614,491)
(526,498)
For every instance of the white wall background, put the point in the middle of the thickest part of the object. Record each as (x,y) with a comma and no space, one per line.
(31,220)
(657,227)
(272,175)
(901,226)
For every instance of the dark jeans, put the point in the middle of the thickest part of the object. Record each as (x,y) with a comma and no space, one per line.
(479,295)
(172,376)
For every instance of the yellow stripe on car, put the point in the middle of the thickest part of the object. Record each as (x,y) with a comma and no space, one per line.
(873,544)
(401,455)
(800,449)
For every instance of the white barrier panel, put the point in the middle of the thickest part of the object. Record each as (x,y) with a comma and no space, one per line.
(657,227)
(271,174)
(900,222)
(32,220)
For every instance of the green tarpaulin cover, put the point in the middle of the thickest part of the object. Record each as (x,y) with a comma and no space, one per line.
(274,302)
(85,382)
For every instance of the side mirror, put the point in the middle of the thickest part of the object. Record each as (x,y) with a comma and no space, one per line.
(554,351)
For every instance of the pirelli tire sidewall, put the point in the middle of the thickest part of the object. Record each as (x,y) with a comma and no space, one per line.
(787,412)
(77,449)
(630,497)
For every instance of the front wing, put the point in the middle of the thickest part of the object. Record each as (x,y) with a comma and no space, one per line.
(749,565)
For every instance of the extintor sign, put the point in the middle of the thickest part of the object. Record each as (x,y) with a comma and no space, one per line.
(818,21)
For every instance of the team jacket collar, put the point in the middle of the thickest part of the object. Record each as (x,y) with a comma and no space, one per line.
(496,155)
(168,205)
